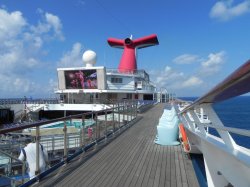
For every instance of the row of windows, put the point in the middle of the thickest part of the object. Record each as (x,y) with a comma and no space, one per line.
(116,80)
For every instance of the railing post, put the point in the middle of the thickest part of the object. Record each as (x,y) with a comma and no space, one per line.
(127,111)
(136,105)
(37,150)
(106,124)
(53,143)
(131,111)
(65,140)
(83,131)
(123,113)
(119,123)
(23,171)
(96,127)
(113,118)
(10,167)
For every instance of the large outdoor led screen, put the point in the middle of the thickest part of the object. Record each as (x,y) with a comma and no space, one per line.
(81,79)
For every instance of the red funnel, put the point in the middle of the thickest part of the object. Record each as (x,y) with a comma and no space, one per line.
(128,60)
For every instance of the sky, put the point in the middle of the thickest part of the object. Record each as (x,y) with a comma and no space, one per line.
(200,42)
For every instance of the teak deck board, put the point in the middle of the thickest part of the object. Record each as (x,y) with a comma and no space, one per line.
(132,159)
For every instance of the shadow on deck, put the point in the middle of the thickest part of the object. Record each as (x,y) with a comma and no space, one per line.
(132,159)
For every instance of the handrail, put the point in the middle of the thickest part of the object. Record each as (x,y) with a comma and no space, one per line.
(28,101)
(234,85)
(122,116)
(243,132)
(9,155)
(40,123)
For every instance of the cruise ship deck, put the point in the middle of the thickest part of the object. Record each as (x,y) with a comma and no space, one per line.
(131,159)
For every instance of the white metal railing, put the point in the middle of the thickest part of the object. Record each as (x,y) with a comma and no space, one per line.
(226,163)
(28,101)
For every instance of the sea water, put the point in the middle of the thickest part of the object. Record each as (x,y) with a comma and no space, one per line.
(235,113)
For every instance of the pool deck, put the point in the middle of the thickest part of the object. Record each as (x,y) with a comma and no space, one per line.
(132,159)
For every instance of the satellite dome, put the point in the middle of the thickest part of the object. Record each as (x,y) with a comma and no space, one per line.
(89,58)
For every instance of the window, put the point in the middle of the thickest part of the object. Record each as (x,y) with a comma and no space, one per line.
(129,96)
(116,80)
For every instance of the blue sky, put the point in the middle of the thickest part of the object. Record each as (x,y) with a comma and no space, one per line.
(201,42)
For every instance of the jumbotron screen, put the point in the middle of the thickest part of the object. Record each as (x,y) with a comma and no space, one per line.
(81,79)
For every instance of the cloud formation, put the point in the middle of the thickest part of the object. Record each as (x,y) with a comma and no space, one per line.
(212,64)
(186,59)
(225,10)
(50,26)
(166,76)
(72,58)
(174,80)
(192,81)
(21,49)
(11,24)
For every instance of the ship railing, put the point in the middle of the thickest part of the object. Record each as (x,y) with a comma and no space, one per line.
(63,138)
(141,73)
(9,167)
(226,162)
(28,101)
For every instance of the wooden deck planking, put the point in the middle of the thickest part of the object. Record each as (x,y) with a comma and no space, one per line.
(182,168)
(156,181)
(111,162)
(163,168)
(133,166)
(177,166)
(138,172)
(133,159)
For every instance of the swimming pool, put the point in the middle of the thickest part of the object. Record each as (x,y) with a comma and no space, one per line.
(76,124)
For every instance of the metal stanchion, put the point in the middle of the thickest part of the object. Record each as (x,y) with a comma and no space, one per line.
(37,150)
(127,111)
(96,127)
(65,139)
(83,131)
(106,124)
(136,105)
(123,112)
(113,118)
(131,112)
(119,123)
(23,171)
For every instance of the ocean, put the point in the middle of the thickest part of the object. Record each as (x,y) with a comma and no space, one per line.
(235,113)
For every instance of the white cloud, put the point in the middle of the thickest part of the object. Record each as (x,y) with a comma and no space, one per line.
(50,25)
(186,59)
(11,24)
(15,86)
(192,81)
(55,23)
(166,76)
(172,79)
(21,48)
(72,58)
(213,63)
(178,82)
(224,10)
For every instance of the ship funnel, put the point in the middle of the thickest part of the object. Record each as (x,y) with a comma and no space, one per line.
(128,60)
(128,41)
